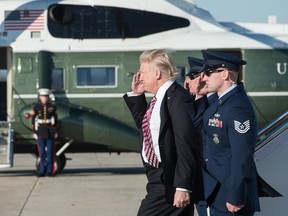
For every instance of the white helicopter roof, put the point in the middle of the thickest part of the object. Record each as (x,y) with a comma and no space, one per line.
(202,33)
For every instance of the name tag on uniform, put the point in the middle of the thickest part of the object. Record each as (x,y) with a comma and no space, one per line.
(215,122)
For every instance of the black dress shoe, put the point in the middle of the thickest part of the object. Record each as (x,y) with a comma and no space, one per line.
(50,175)
(40,175)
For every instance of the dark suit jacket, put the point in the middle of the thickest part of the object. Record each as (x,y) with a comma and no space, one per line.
(179,147)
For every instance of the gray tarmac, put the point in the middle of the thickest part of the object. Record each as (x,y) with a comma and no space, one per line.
(91,184)
(96,184)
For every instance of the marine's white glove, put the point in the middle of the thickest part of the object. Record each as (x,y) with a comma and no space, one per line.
(35,136)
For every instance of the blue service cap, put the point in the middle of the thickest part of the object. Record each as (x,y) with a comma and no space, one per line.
(214,60)
(195,66)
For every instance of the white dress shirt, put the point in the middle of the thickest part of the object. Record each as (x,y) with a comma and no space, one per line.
(155,120)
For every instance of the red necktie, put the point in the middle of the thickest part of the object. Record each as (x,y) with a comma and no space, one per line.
(148,143)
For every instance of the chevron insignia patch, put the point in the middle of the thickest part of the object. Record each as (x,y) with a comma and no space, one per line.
(242,127)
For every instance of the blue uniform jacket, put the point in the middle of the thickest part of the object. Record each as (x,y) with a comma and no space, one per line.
(229,135)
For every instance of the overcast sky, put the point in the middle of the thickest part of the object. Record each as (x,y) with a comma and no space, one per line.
(246,10)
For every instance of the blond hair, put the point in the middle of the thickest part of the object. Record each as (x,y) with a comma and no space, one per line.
(161,59)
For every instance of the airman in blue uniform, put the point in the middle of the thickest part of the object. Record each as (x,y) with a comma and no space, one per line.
(192,77)
(230,133)
(197,87)
(194,85)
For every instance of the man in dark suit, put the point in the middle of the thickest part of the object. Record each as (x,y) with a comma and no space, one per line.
(229,133)
(171,152)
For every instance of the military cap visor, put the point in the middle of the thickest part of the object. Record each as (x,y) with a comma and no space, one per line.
(214,60)
(192,73)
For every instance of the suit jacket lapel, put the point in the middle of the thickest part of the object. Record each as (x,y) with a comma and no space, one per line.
(164,112)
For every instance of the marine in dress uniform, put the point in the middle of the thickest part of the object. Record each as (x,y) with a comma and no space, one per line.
(44,121)
(172,160)
(229,133)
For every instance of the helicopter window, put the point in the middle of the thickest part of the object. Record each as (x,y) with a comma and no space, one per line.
(57,79)
(96,76)
(25,65)
(86,22)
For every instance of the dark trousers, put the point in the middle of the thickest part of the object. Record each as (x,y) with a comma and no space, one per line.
(154,203)
(46,157)
(201,207)
(214,212)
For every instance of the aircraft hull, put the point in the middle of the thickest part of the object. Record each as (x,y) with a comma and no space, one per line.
(265,79)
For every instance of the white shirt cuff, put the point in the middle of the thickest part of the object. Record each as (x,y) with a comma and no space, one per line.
(132,94)
(184,190)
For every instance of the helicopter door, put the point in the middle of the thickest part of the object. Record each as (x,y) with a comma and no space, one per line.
(3,83)
(6,132)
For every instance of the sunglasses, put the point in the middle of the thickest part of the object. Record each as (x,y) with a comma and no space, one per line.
(211,71)
(191,77)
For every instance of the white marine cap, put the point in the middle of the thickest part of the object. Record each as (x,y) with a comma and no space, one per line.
(44,92)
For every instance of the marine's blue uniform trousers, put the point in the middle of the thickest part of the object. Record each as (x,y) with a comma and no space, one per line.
(46,155)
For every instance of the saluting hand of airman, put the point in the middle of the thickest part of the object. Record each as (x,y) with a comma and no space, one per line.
(196,86)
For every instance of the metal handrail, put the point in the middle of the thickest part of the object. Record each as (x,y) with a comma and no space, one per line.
(274,124)
(268,133)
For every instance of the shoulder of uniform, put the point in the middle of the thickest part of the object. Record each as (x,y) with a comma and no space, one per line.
(51,105)
(242,99)
(241,110)
(37,105)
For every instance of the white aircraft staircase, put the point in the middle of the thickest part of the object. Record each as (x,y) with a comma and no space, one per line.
(271,157)
(6,145)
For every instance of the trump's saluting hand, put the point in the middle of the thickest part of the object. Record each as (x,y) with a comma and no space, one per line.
(137,85)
